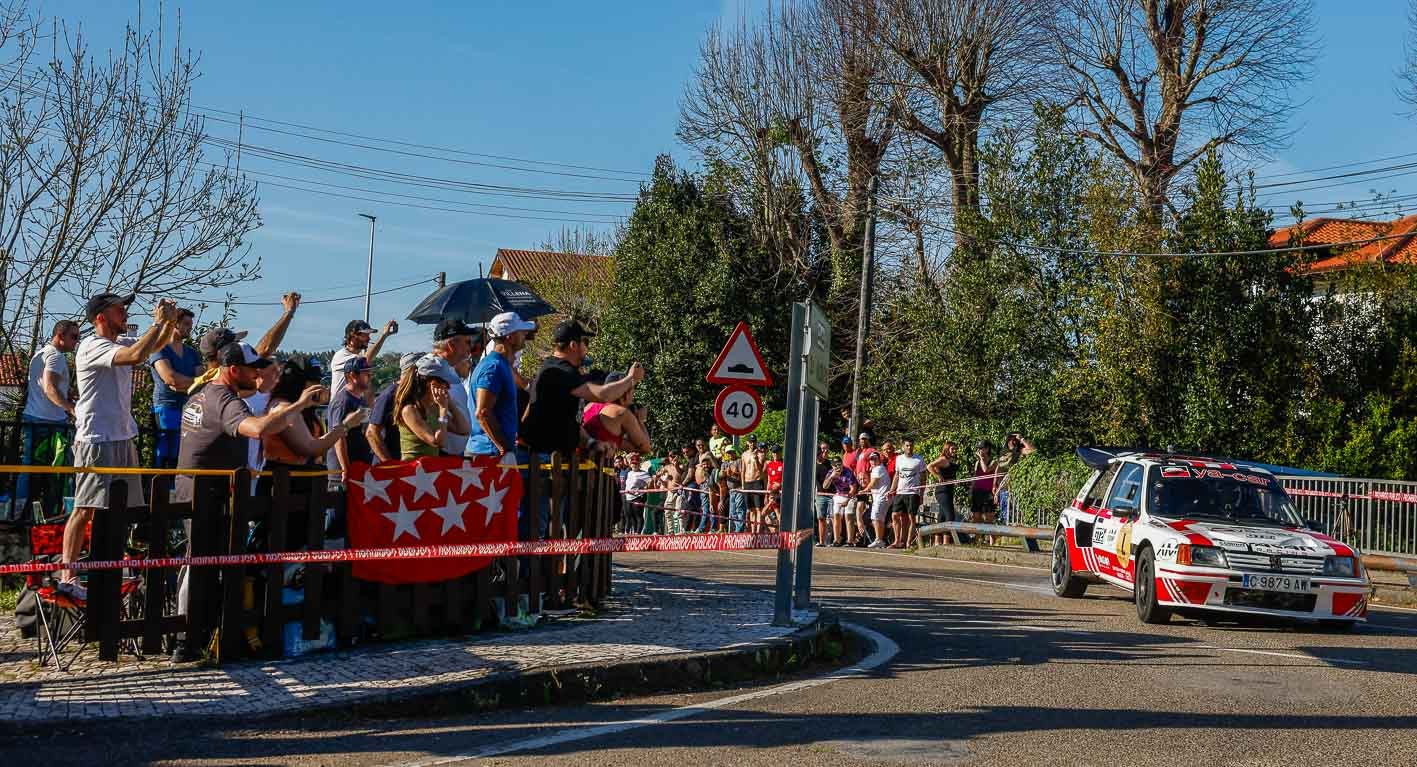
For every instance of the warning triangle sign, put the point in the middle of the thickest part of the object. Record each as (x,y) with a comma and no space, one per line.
(740,362)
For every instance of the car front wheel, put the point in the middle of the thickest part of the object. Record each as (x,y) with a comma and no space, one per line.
(1065,584)
(1145,590)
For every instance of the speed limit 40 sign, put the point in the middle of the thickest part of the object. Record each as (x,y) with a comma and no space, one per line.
(738,410)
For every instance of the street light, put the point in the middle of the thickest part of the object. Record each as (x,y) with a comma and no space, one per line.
(369,283)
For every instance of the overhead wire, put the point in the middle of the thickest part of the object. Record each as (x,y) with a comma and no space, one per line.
(308,302)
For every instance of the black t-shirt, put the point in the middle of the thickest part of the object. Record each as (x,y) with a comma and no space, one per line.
(210,437)
(824,468)
(382,415)
(550,424)
(342,405)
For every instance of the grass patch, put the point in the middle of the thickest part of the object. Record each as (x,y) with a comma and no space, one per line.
(8,597)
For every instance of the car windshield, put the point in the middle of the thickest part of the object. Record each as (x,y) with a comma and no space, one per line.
(1234,496)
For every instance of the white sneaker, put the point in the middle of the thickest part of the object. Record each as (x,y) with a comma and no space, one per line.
(877,544)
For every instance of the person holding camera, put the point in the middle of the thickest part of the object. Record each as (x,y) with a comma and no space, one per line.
(354,397)
(356,344)
(300,443)
(1015,448)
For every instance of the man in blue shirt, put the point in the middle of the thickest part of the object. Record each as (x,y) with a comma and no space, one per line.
(174,367)
(494,389)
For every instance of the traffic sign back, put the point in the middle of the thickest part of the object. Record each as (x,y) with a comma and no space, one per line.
(740,362)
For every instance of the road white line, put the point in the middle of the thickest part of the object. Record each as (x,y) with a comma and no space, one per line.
(1284,655)
(885,649)
(1046,591)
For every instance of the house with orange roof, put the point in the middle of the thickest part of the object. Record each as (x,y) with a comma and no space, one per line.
(533,266)
(1398,244)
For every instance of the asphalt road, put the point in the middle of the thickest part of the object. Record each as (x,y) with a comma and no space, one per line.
(991,669)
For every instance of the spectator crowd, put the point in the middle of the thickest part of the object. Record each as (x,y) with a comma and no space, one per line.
(229,404)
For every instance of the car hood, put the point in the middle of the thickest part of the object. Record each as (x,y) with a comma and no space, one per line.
(1263,540)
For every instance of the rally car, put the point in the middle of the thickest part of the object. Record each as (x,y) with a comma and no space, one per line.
(1202,536)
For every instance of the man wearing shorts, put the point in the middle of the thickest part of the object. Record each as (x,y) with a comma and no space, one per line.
(821,500)
(751,465)
(105,434)
(907,487)
(879,485)
(841,481)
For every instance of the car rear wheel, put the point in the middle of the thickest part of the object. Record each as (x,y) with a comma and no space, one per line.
(1145,590)
(1065,584)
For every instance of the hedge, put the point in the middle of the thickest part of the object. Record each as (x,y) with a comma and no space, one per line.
(1039,487)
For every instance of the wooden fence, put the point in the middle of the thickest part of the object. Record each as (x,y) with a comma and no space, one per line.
(138,608)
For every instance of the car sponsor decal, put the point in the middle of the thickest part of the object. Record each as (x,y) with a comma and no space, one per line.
(1166,552)
(1124,546)
(1175,472)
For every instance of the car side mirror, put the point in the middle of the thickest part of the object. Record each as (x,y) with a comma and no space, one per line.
(1316,526)
(1124,511)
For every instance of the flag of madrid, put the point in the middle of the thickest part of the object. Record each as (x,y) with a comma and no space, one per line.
(428,502)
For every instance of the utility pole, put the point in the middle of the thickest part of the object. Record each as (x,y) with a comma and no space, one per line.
(863,313)
(369,283)
(442,280)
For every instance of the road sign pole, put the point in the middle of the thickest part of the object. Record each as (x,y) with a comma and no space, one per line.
(791,480)
(813,364)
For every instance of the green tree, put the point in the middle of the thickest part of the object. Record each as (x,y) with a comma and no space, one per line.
(687,270)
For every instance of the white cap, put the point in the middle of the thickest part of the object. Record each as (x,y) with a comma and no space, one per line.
(433,366)
(507,323)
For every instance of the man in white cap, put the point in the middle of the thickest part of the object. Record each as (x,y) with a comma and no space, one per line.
(494,388)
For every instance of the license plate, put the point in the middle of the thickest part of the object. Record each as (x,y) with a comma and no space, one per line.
(1289,583)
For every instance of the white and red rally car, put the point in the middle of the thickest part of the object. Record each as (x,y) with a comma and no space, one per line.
(1195,535)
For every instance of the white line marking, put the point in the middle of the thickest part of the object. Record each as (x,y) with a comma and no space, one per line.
(1046,591)
(1283,655)
(885,650)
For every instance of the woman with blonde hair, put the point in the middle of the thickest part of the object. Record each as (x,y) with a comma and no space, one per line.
(423,410)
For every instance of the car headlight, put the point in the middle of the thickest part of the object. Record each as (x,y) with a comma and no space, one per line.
(1343,567)
(1200,556)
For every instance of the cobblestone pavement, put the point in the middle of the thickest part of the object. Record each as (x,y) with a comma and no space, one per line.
(648,615)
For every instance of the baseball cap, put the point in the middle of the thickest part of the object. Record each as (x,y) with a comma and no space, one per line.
(451,328)
(355,364)
(217,337)
(507,323)
(241,354)
(864,435)
(570,330)
(408,360)
(433,366)
(358,326)
(98,303)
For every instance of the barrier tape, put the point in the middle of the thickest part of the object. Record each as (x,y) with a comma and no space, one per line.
(1375,495)
(819,494)
(141,471)
(552,548)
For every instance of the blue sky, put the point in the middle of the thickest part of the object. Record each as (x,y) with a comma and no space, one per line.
(585,84)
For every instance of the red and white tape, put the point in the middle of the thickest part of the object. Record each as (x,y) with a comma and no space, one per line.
(632,543)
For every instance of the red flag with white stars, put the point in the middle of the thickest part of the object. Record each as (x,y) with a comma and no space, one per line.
(428,502)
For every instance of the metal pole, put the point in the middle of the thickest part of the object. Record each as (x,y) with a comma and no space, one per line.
(442,280)
(369,279)
(791,479)
(863,313)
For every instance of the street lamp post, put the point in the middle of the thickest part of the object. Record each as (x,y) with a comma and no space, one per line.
(369,283)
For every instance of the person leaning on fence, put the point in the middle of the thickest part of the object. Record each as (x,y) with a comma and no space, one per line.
(552,422)
(637,480)
(494,390)
(382,433)
(353,398)
(423,409)
(105,434)
(216,427)
(1015,448)
(174,367)
(731,474)
(612,424)
(217,337)
(44,429)
(944,470)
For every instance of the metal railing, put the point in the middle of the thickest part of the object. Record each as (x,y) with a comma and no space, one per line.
(1377,515)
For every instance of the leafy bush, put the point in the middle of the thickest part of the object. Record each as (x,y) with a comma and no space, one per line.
(772,430)
(1039,486)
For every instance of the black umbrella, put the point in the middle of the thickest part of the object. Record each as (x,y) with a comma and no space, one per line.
(479,300)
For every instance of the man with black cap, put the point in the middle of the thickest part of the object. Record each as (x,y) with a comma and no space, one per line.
(354,446)
(217,337)
(105,434)
(217,426)
(356,344)
(552,422)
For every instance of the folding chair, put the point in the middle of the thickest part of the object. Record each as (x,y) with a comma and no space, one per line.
(59,617)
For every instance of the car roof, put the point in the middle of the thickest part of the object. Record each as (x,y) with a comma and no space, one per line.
(1101,457)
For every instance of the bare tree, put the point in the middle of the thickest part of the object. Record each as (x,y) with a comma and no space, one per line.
(104,179)
(584,240)
(1162,82)
(1407,75)
(964,59)
(795,106)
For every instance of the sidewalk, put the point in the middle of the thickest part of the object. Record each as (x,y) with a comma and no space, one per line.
(648,617)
